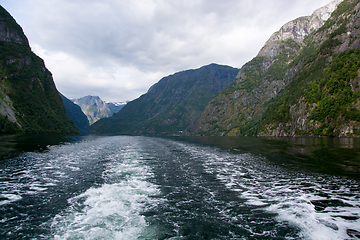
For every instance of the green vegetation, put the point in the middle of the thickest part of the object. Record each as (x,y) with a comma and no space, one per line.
(170,105)
(7,126)
(330,89)
(278,109)
(30,87)
(342,29)
(328,45)
(253,71)
(333,93)
(33,93)
(288,50)
(307,81)
(344,7)
(327,85)
(247,129)
(252,74)
(321,87)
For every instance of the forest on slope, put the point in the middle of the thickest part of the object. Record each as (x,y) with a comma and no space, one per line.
(29,100)
(296,86)
(170,105)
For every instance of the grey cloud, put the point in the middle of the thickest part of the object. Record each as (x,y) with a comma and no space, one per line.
(147,38)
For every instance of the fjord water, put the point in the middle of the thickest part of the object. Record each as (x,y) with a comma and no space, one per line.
(125,187)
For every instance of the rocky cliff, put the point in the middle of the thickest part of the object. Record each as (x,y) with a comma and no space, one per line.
(170,105)
(298,29)
(95,108)
(29,100)
(302,82)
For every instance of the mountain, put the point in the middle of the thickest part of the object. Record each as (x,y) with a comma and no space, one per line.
(304,81)
(95,108)
(171,104)
(76,115)
(115,106)
(29,100)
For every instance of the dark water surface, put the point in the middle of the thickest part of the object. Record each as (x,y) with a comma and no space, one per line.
(123,187)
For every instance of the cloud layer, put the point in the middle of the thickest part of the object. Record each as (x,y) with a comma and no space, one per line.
(117,49)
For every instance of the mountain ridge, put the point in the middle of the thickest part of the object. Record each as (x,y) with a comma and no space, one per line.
(298,29)
(255,103)
(170,104)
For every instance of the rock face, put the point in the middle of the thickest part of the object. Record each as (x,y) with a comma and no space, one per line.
(302,82)
(29,100)
(95,109)
(11,32)
(170,105)
(301,27)
(298,29)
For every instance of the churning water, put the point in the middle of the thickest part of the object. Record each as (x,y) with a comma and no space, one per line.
(161,188)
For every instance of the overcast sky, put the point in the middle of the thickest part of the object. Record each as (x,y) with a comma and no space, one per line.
(117,49)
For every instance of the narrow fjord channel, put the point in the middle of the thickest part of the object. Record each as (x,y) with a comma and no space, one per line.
(126,187)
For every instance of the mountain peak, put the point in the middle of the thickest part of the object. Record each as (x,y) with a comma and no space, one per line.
(95,108)
(10,31)
(171,104)
(298,29)
(296,86)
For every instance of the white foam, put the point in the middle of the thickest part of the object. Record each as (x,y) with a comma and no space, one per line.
(256,202)
(9,198)
(289,194)
(112,211)
(109,211)
(38,188)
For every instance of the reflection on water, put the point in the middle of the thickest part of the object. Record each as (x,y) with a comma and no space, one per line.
(12,144)
(335,156)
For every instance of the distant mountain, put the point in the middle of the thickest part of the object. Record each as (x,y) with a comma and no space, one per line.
(115,106)
(76,115)
(29,100)
(304,81)
(170,105)
(95,108)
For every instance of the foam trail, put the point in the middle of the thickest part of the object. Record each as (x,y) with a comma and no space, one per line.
(113,210)
(323,207)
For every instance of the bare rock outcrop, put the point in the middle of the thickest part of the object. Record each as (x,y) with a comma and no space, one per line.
(298,29)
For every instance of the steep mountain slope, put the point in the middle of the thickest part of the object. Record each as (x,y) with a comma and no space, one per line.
(324,98)
(302,82)
(170,105)
(95,108)
(29,100)
(76,115)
